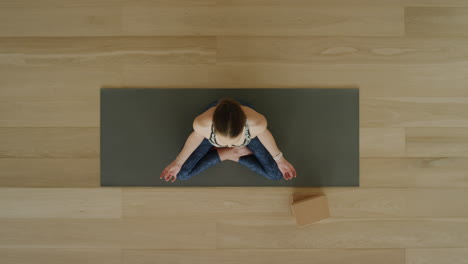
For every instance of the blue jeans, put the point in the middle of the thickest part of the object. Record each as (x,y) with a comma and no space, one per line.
(204,157)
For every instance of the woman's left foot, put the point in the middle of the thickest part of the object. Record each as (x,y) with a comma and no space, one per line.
(243,151)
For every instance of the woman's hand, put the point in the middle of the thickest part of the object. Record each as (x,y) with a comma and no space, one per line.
(171,171)
(286,168)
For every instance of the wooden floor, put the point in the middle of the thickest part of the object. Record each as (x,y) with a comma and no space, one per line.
(409,58)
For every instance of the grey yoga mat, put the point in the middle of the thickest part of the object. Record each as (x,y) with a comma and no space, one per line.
(143,130)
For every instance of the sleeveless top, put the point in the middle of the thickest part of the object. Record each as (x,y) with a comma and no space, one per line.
(212,139)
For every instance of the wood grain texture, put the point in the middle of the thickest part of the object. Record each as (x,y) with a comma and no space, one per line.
(282,232)
(55,80)
(435,3)
(381,142)
(108,51)
(407,57)
(50,172)
(46,142)
(61,3)
(161,233)
(284,20)
(42,66)
(340,50)
(437,141)
(60,21)
(414,112)
(353,203)
(49,112)
(436,21)
(414,172)
(60,256)
(436,255)
(322,256)
(60,203)
(418,80)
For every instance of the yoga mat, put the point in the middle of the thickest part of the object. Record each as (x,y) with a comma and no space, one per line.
(143,130)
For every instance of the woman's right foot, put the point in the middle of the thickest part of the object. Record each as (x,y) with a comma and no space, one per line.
(243,151)
(233,153)
(238,152)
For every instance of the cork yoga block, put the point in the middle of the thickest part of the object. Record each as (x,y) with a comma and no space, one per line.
(309,209)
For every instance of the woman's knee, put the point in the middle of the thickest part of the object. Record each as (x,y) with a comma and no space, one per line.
(182,175)
(275,174)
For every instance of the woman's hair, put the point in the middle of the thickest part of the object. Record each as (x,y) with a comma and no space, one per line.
(229,118)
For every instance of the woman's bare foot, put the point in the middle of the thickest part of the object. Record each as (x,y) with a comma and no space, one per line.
(243,151)
(223,153)
(238,152)
(233,153)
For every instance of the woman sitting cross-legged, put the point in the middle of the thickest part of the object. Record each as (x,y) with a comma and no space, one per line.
(229,129)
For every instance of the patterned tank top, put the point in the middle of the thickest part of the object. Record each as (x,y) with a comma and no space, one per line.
(246,140)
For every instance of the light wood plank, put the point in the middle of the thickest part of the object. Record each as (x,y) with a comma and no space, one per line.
(340,50)
(60,203)
(414,112)
(62,3)
(178,50)
(328,20)
(56,80)
(340,2)
(104,51)
(436,255)
(304,3)
(357,203)
(166,202)
(282,232)
(161,233)
(435,3)
(44,142)
(437,172)
(318,256)
(49,172)
(301,2)
(399,80)
(41,66)
(381,142)
(437,141)
(55,55)
(172,76)
(60,256)
(436,21)
(60,21)
(171,3)
(49,112)
(329,2)
(387,203)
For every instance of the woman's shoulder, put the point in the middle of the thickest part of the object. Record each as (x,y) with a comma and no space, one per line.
(201,128)
(202,123)
(256,121)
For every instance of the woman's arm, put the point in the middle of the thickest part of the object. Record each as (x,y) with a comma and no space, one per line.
(192,142)
(267,139)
